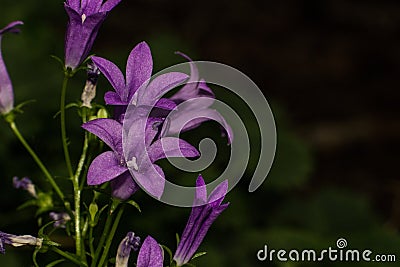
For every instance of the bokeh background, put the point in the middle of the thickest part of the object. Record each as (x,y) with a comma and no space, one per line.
(330,70)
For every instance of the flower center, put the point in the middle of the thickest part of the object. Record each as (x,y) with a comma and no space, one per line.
(133,164)
(83,18)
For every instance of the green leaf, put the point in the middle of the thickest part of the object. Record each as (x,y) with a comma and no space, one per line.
(54,263)
(133,203)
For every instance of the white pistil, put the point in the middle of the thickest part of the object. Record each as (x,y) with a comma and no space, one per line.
(83,18)
(133,164)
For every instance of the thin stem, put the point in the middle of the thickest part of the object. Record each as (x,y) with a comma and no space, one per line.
(77,195)
(103,237)
(14,128)
(63,126)
(68,256)
(111,236)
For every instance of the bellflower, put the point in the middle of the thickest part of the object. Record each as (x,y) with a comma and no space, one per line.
(85,19)
(6,89)
(204,212)
(195,99)
(150,254)
(18,240)
(111,165)
(139,67)
(131,241)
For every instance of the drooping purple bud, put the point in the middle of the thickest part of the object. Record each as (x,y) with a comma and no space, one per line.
(25,184)
(18,240)
(130,242)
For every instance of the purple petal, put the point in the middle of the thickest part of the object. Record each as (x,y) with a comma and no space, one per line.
(201,191)
(91,7)
(108,5)
(171,147)
(11,27)
(190,114)
(190,89)
(159,86)
(123,186)
(104,168)
(112,98)
(150,254)
(74,4)
(108,130)
(218,194)
(138,68)
(152,179)
(112,73)
(6,89)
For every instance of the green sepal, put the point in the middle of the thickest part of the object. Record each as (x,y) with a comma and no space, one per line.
(165,248)
(134,204)
(59,60)
(199,254)
(93,209)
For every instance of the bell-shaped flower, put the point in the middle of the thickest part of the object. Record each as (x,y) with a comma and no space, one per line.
(204,212)
(6,89)
(85,19)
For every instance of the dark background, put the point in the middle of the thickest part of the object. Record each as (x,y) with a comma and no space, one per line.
(330,72)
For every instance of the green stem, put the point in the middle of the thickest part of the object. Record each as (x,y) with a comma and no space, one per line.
(68,256)
(14,128)
(111,236)
(74,178)
(103,237)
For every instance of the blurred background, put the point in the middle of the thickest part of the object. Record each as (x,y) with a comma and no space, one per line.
(330,72)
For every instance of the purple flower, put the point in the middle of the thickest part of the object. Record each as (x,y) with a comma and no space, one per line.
(85,19)
(111,165)
(6,89)
(124,249)
(138,72)
(18,240)
(204,212)
(194,102)
(25,184)
(150,254)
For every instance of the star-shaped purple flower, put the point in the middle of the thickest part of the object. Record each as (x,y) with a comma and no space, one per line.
(139,67)
(85,19)
(6,89)
(204,212)
(111,165)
